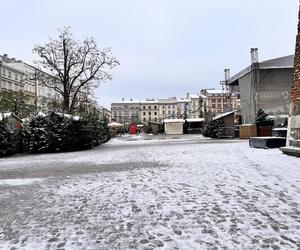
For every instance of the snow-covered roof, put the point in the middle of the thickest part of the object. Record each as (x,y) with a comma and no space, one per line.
(223,115)
(127,101)
(214,91)
(149,101)
(9,114)
(4,115)
(173,120)
(183,100)
(74,117)
(195,120)
(197,96)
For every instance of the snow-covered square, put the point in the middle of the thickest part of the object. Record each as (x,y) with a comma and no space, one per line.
(152,192)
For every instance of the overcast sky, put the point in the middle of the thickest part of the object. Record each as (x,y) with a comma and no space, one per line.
(165,47)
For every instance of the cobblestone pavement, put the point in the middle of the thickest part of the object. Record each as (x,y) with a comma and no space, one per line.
(167,195)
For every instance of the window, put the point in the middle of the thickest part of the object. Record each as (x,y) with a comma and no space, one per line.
(144,119)
(155,113)
(149,107)
(169,106)
(149,113)
(213,105)
(163,112)
(173,106)
(144,113)
(149,119)
(9,74)
(154,107)
(169,112)
(144,107)
(213,100)
(16,77)
(163,107)
(155,119)
(3,72)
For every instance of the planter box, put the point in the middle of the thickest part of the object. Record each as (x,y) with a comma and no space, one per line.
(264,131)
(247,131)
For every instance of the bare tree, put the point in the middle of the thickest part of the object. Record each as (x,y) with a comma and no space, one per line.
(73,66)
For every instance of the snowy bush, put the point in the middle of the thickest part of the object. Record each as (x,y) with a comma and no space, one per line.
(7,139)
(60,133)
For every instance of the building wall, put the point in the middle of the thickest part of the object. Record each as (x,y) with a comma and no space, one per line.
(293,137)
(149,111)
(173,128)
(168,108)
(219,103)
(126,112)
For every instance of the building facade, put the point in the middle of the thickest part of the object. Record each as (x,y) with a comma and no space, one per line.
(126,112)
(17,75)
(168,108)
(219,102)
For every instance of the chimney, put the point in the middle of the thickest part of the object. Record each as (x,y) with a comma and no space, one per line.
(5,58)
(254,55)
(227,74)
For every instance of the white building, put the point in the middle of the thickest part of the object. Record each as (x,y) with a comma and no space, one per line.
(17,75)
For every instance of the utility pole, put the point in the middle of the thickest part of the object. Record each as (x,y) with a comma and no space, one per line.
(254,81)
(226,91)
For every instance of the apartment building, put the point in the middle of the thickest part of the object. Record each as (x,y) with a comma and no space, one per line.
(219,102)
(196,105)
(13,79)
(156,110)
(150,110)
(168,108)
(17,75)
(126,112)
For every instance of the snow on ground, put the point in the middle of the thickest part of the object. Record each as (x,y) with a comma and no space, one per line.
(166,193)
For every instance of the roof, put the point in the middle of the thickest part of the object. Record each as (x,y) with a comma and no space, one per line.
(9,114)
(286,62)
(215,91)
(195,119)
(223,115)
(183,100)
(127,101)
(173,120)
(197,96)
(146,102)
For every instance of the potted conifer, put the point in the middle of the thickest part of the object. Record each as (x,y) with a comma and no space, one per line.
(263,123)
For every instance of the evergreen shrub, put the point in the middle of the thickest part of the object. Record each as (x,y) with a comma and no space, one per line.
(61,133)
(7,139)
(215,129)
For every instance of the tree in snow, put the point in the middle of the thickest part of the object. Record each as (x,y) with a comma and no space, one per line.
(215,129)
(262,119)
(16,102)
(75,67)
(7,138)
